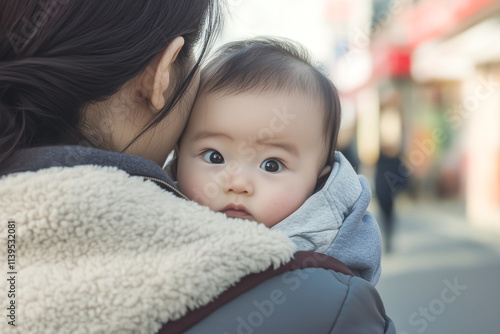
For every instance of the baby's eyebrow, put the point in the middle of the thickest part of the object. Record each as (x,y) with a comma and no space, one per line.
(285,146)
(207,134)
(266,142)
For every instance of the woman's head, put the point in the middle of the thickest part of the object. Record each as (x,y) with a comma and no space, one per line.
(67,66)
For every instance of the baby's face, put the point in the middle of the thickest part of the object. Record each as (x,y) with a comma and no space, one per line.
(252,155)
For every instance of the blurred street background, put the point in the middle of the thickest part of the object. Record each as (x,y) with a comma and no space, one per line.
(420,87)
(443,274)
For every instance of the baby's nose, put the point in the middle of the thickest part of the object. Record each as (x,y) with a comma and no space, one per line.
(239,184)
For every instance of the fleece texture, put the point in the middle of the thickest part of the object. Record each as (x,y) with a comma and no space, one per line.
(334,221)
(100,251)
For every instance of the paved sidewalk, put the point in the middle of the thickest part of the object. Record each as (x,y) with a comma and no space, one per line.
(444,275)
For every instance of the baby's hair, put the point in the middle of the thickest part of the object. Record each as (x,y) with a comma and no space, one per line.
(269,64)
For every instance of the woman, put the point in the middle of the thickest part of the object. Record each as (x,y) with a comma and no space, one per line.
(93,95)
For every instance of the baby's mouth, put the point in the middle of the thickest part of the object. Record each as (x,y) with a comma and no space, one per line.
(236,211)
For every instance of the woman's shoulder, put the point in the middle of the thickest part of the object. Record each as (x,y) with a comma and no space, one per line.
(93,232)
(38,158)
(322,298)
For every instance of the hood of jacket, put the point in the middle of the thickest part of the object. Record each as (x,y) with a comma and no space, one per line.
(335,221)
(98,250)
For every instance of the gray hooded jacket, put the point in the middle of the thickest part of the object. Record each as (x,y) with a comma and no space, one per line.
(334,221)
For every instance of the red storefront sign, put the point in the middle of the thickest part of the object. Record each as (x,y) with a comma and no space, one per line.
(427,20)
(431,19)
(391,61)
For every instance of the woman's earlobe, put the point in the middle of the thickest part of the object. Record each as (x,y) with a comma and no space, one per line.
(162,72)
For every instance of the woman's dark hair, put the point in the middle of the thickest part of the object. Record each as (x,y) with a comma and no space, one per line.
(270,64)
(59,56)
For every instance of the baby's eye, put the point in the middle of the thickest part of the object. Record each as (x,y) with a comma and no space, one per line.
(271,165)
(213,157)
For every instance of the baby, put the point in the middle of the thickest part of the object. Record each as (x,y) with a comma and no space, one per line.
(260,145)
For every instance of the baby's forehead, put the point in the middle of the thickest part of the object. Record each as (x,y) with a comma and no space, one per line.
(264,110)
(315,103)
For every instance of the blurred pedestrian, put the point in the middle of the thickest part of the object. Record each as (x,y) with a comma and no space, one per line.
(389,175)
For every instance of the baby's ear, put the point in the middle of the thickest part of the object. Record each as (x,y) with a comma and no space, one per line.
(326,170)
(322,177)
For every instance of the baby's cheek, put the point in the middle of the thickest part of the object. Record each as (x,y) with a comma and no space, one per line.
(193,190)
(279,209)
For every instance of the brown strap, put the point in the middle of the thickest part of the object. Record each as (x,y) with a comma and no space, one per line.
(301,260)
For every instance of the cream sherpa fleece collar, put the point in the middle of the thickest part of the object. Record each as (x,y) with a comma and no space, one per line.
(99,251)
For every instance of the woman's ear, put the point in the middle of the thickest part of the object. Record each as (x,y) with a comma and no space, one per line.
(162,70)
(326,170)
